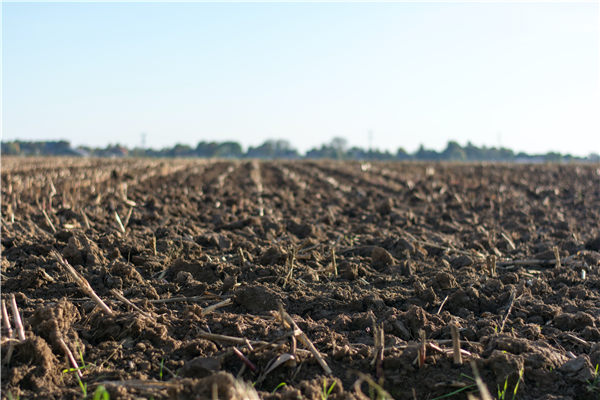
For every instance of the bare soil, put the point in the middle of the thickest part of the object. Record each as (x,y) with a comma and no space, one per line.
(349,250)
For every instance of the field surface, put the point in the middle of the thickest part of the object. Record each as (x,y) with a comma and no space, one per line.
(290,280)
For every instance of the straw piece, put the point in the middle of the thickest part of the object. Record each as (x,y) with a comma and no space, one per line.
(305,340)
(70,356)
(509,309)
(83,284)
(483,390)
(213,307)
(242,357)
(86,220)
(6,319)
(442,305)
(456,345)
(422,349)
(125,300)
(556,257)
(127,217)
(48,221)
(17,318)
(121,227)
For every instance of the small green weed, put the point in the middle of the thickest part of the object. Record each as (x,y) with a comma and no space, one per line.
(502,392)
(84,366)
(459,390)
(282,384)
(326,391)
(376,392)
(160,372)
(101,393)
(82,385)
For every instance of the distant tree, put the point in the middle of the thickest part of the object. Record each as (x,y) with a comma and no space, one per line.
(273,149)
(356,153)
(552,157)
(454,152)
(426,155)
(339,146)
(11,148)
(401,154)
(206,149)
(181,150)
(229,150)
(335,149)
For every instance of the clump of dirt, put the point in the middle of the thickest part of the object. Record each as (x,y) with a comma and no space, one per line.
(33,368)
(54,322)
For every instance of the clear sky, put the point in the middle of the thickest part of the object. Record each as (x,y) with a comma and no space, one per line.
(523,75)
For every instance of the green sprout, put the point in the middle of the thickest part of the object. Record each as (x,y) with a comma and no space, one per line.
(282,384)
(82,385)
(502,392)
(326,391)
(101,393)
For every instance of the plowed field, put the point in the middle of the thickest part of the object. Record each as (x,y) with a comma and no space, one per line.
(234,279)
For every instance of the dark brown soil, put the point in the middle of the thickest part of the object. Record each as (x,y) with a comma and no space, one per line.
(346,248)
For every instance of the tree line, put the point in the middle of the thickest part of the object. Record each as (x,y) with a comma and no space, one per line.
(337,149)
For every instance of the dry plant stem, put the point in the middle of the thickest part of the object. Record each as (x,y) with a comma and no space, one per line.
(305,340)
(6,320)
(242,357)
(333,262)
(11,348)
(491,264)
(86,221)
(483,390)
(442,305)
(511,244)
(121,227)
(509,309)
(17,318)
(140,384)
(577,340)
(154,245)
(260,344)
(290,262)
(216,306)
(215,391)
(556,257)
(437,348)
(457,358)
(83,284)
(52,190)
(533,261)
(127,217)
(48,221)
(380,352)
(230,339)
(70,356)
(422,349)
(125,300)
(176,299)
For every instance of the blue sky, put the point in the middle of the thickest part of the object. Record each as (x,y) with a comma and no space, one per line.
(523,75)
